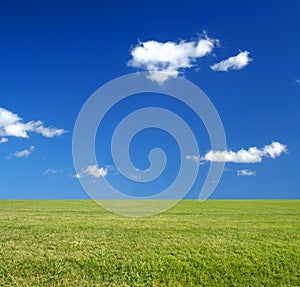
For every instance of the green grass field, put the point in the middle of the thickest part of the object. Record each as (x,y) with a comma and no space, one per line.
(215,243)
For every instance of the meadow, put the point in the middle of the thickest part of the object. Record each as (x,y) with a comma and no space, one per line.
(215,243)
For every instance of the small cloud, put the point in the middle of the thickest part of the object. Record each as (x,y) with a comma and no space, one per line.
(252,155)
(136,177)
(237,62)
(295,82)
(76,175)
(195,158)
(164,60)
(246,172)
(25,152)
(12,125)
(53,171)
(3,140)
(95,171)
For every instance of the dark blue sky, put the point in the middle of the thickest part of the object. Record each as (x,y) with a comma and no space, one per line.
(55,54)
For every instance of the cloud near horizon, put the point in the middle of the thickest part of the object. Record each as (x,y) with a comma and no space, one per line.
(164,60)
(237,62)
(11,125)
(252,155)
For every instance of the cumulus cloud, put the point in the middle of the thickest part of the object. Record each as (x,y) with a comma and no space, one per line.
(246,172)
(165,60)
(95,171)
(252,155)
(12,125)
(3,140)
(25,152)
(233,63)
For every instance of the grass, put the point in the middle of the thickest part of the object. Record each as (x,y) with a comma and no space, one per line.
(215,243)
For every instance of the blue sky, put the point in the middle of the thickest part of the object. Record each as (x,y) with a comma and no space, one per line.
(54,55)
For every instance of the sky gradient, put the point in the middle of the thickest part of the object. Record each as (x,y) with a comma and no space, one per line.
(244,56)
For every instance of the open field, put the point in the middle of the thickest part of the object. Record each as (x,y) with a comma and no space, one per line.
(215,243)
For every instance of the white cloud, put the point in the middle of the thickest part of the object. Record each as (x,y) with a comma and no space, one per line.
(252,155)
(275,149)
(246,172)
(8,118)
(194,158)
(50,170)
(233,63)
(136,177)
(25,152)
(95,171)
(12,125)
(164,60)
(76,175)
(3,140)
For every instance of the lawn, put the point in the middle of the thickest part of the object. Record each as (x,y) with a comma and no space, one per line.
(215,243)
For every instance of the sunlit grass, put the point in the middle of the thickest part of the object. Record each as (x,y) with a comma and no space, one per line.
(215,243)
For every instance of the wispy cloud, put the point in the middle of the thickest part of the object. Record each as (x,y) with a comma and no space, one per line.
(252,155)
(53,171)
(135,177)
(237,62)
(76,175)
(194,158)
(3,140)
(12,125)
(166,60)
(295,82)
(95,171)
(246,172)
(25,152)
